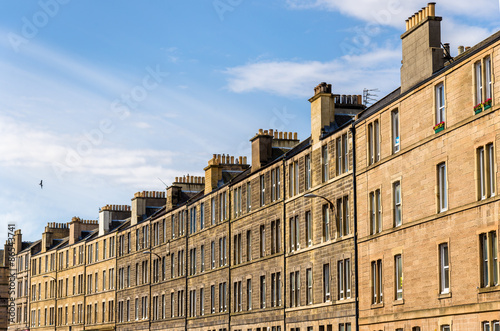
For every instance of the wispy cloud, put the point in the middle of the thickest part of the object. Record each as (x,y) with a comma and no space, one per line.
(350,74)
(394,12)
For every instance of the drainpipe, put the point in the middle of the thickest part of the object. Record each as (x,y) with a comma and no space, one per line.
(284,243)
(355,214)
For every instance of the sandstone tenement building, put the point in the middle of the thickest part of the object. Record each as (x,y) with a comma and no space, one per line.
(384,218)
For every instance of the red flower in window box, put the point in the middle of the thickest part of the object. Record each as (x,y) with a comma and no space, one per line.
(438,126)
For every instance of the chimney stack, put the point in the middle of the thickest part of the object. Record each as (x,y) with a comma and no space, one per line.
(213,172)
(422,52)
(142,200)
(110,213)
(18,241)
(262,149)
(322,110)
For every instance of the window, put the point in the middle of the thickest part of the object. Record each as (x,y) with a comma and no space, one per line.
(373,142)
(489,259)
(375,212)
(294,234)
(202,216)
(342,154)
(249,245)
(309,229)
(308,175)
(442,188)
(444,269)
(343,216)
(326,282)
(398,276)
(276,289)
(482,83)
(212,255)
(172,304)
(309,291)
(202,301)
(192,262)
(202,258)
(262,291)
(237,201)
(395,131)
(487,85)
(237,292)
(396,193)
(295,289)
(223,206)
(293,178)
(249,294)
(192,220)
(486,171)
(478,71)
(237,249)
(445,328)
(222,297)
(344,279)
(324,164)
(275,236)
(377,289)
(262,240)
(275,180)
(440,104)
(326,223)
(278,184)
(249,197)
(262,190)
(212,206)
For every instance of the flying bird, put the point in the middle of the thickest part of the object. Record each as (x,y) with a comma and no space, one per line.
(41,184)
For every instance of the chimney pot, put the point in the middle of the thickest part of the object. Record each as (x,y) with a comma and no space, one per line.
(467,48)
(285,135)
(271,132)
(261,131)
(295,135)
(432,8)
(275,134)
(460,49)
(219,158)
(241,159)
(232,159)
(244,160)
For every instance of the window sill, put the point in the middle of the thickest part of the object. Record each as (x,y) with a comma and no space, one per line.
(398,302)
(377,305)
(488,289)
(444,295)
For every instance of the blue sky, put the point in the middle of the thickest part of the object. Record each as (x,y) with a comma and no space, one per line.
(100,98)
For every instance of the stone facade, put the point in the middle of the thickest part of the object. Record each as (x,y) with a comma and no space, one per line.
(384,218)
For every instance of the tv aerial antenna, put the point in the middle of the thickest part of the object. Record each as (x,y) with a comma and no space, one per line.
(369,96)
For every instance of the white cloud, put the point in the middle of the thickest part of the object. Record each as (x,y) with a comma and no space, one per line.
(349,74)
(394,12)
(143,125)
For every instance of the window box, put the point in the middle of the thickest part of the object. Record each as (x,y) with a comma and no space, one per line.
(487,104)
(438,127)
(478,108)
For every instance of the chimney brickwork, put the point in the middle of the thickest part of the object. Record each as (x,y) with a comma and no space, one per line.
(421,43)
(77,225)
(145,199)
(110,213)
